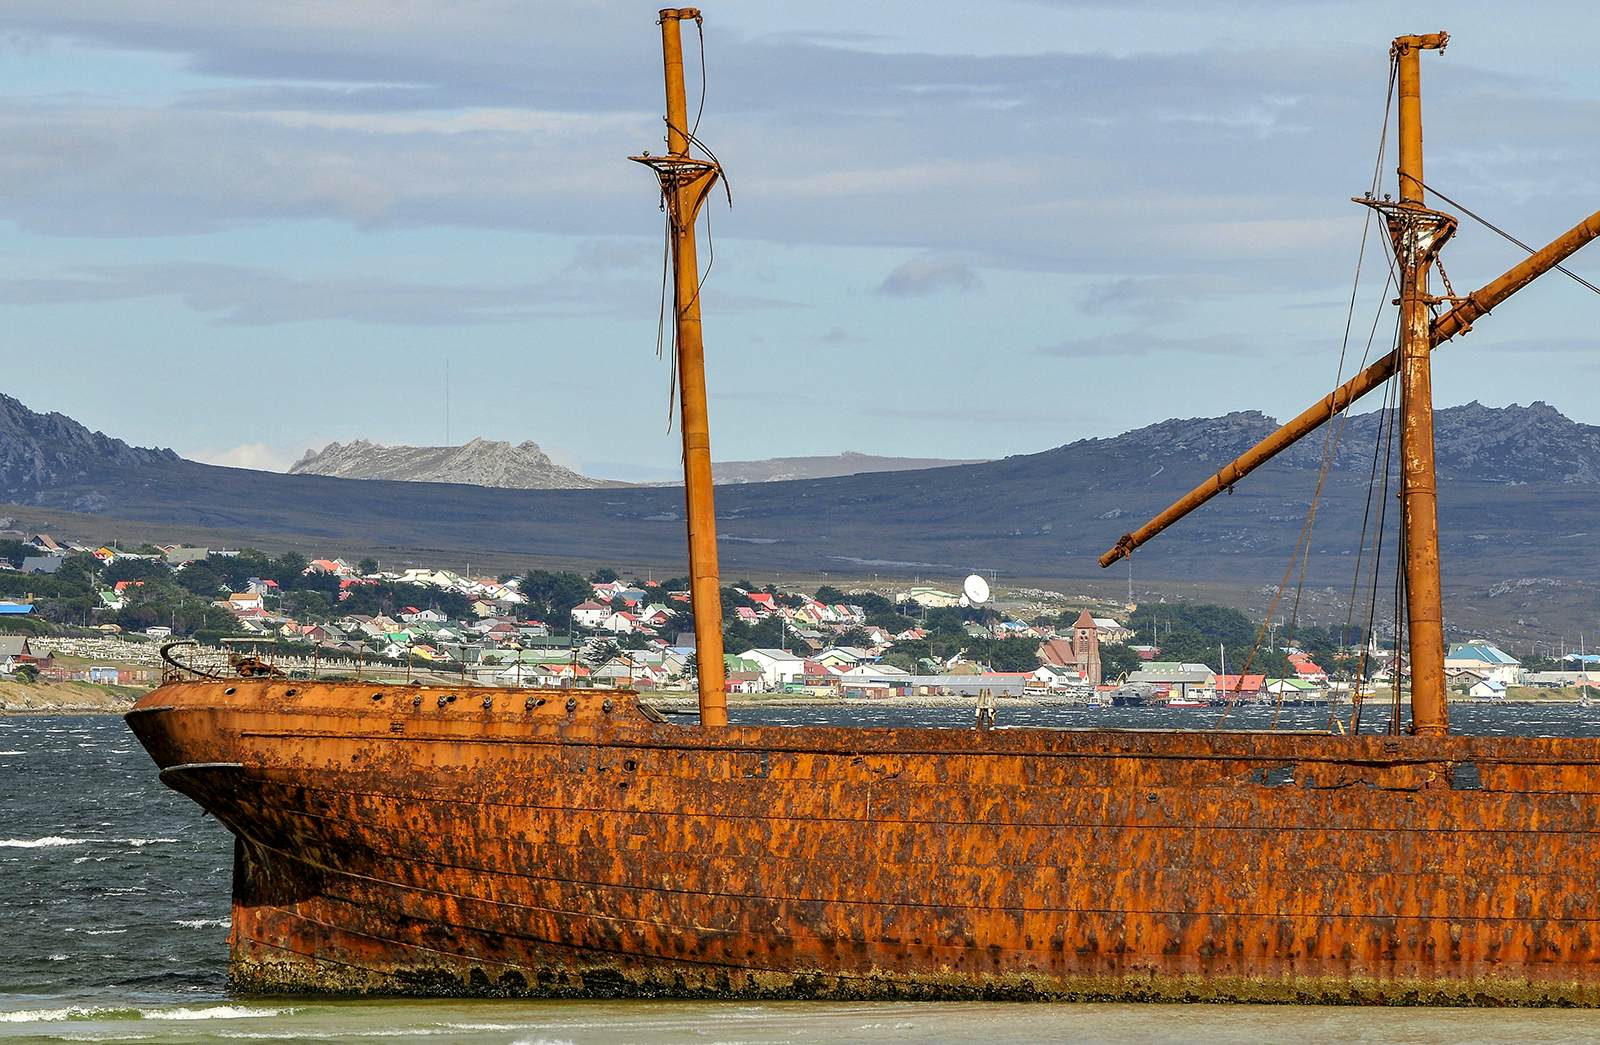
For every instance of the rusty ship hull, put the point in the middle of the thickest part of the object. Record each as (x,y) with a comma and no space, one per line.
(390,839)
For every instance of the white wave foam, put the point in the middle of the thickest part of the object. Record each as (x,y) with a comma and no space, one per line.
(46,842)
(214,1012)
(13,752)
(103,932)
(202,923)
(84,1012)
(49,1015)
(139,843)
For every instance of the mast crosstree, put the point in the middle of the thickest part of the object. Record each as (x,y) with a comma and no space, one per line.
(685,182)
(1416,233)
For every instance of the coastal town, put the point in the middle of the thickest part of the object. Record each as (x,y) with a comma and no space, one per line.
(100,614)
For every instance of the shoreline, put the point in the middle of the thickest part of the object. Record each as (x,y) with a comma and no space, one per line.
(107,702)
(44,697)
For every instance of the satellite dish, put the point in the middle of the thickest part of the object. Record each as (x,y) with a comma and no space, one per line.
(964,602)
(976,590)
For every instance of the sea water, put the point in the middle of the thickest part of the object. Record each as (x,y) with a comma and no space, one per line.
(114,919)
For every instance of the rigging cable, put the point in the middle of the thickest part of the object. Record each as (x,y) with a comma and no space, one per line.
(700,30)
(1384,437)
(691,137)
(1302,552)
(1366,513)
(1497,230)
(1335,433)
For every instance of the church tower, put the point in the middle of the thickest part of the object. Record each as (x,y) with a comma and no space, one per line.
(1086,646)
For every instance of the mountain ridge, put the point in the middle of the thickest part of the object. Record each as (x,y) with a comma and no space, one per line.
(1518,492)
(478,462)
(42,449)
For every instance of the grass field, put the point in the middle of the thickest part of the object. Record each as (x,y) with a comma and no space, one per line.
(44,697)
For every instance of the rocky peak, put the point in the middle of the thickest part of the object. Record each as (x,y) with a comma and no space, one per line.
(1475,442)
(479,462)
(41,450)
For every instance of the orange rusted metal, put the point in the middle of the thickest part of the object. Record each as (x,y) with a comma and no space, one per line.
(685,182)
(564,843)
(1418,234)
(424,839)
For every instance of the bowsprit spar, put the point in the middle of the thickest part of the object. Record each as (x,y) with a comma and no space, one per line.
(1416,235)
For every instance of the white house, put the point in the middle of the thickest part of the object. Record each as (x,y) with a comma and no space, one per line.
(1110,631)
(778,667)
(13,650)
(1486,659)
(843,657)
(590,614)
(1488,689)
(930,598)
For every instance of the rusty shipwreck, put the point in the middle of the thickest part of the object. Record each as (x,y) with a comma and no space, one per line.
(451,840)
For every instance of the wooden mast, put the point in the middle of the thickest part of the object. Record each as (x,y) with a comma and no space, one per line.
(685,182)
(1456,322)
(1418,233)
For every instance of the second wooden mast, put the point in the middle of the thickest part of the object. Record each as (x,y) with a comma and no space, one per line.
(1417,233)
(686,181)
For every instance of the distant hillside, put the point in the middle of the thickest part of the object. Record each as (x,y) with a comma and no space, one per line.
(783,469)
(525,467)
(481,462)
(1519,490)
(52,451)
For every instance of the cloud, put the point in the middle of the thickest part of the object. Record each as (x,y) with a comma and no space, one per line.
(260,456)
(923,276)
(253,297)
(1144,343)
(493,114)
(242,296)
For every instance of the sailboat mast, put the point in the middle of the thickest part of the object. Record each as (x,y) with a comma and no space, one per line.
(685,182)
(1418,233)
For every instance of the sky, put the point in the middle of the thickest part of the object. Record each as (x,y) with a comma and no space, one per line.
(241,230)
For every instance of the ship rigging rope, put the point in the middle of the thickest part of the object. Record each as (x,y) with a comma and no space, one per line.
(1497,230)
(1335,433)
(700,31)
(1383,433)
(691,137)
(1302,552)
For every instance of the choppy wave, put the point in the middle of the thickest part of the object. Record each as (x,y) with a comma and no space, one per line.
(95,1012)
(202,923)
(46,842)
(215,1012)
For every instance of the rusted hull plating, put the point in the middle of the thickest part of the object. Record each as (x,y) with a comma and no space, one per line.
(564,843)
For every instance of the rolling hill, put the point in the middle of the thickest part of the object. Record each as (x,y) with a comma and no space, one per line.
(1519,490)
